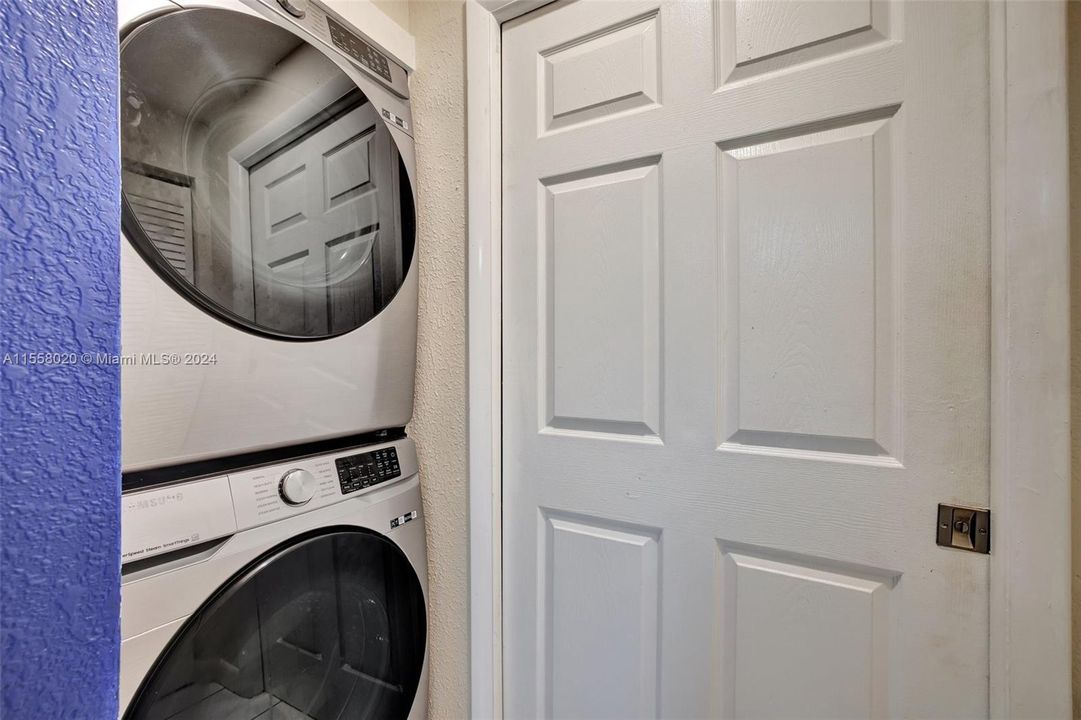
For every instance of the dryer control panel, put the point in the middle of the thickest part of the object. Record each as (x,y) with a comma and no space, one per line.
(359,50)
(330,28)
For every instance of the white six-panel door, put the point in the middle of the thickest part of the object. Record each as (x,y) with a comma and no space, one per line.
(746,354)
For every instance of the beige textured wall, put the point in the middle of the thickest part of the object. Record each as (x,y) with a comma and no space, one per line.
(439,421)
(1075,330)
(439,418)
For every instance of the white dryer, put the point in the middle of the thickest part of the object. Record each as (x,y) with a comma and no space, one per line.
(291,591)
(268,272)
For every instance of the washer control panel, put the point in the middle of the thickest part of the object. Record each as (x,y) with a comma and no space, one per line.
(272,492)
(356,472)
(170,517)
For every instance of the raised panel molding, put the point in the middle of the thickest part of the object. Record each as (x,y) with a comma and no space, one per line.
(761,36)
(285,200)
(606,73)
(600,283)
(598,618)
(347,170)
(824,627)
(809,308)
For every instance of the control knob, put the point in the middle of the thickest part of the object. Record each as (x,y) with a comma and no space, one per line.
(297,487)
(296,8)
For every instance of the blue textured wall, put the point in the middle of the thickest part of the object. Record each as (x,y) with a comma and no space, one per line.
(59,423)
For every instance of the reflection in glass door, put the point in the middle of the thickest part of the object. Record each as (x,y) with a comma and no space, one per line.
(330,627)
(298,221)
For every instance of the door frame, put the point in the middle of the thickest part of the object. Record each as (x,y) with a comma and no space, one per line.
(1030,600)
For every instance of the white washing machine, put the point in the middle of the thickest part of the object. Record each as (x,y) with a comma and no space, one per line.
(282,592)
(268,272)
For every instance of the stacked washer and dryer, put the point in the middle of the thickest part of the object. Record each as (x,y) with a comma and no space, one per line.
(273,538)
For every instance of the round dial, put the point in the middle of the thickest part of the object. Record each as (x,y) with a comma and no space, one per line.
(297,487)
(296,8)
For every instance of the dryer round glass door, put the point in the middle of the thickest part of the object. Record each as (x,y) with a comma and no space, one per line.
(258,179)
(329,627)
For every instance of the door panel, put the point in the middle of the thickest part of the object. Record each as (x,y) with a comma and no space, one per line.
(746,352)
(602,590)
(808,284)
(601,260)
(801,640)
(611,73)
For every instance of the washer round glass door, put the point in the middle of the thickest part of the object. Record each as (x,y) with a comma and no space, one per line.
(258,178)
(329,627)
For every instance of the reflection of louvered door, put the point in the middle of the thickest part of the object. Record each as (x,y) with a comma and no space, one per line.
(163,209)
(324,228)
(745,352)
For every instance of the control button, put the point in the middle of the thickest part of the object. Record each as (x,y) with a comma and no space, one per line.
(297,487)
(296,8)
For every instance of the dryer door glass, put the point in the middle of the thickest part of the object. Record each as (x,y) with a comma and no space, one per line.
(330,627)
(259,179)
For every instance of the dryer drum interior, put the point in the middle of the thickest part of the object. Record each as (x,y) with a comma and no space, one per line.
(259,181)
(330,626)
